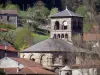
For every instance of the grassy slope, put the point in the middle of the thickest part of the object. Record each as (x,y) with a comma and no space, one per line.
(38,37)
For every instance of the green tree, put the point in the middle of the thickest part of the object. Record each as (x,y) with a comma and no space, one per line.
(83,11)
(10,6)
(38,15)
(53,11)
(22,38)
(7,26)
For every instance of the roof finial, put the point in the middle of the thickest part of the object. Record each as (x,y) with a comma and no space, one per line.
(66,7)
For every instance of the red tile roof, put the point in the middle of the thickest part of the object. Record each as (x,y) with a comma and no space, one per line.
(4,29)
(29,70)
(26,62)
(9,48)
(30,67)
(15,12)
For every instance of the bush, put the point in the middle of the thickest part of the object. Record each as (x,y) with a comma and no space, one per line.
(8,26)
(23,37)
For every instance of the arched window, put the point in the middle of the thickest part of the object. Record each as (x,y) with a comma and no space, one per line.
(31,56)
(66,36)
(41,59)
(58,35)
(64,25)
(55,36)
(57,25)
(67,73)
(65,61)
(62,35)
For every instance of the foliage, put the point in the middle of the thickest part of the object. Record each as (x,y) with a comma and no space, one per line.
(82,11)
(53,11)
(22,13)
(38,38)
(1,7)
(71,4)
(87,27)
(10,36)
(23,37)
(2,72)
(24,47)
(10,6)
(38,15)
(8,26)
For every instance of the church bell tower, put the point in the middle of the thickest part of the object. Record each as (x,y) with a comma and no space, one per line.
(66,24)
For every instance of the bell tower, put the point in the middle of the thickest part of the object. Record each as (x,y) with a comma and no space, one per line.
(66,24)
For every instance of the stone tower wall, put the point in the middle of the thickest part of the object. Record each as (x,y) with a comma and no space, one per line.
(60,31)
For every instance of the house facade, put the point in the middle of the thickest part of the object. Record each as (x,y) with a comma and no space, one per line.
(9,17)
(6,49)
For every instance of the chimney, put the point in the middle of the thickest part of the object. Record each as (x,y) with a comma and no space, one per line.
(6,47)
(17,70)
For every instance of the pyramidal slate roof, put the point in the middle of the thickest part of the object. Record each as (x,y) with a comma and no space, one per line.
(66,13)
(52,45)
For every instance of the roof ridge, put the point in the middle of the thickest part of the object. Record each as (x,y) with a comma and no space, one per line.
(69,12)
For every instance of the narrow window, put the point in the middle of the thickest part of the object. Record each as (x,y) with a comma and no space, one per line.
(66,36)
(64,27)
(62,35)
(57,25)
(55,36)
(7,18)
(58,35)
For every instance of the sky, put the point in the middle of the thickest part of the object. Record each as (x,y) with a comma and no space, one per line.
(26,3)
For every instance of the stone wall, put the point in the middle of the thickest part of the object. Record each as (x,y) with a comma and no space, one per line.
(51,60)
(61,31)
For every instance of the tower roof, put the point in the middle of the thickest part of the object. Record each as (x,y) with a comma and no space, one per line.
(53,45)
(66,13)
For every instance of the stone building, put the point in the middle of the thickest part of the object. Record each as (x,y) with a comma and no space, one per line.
(58,50)
(66,24)
(9,17)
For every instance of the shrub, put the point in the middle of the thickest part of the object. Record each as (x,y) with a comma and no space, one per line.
(8,26)
(23,37)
